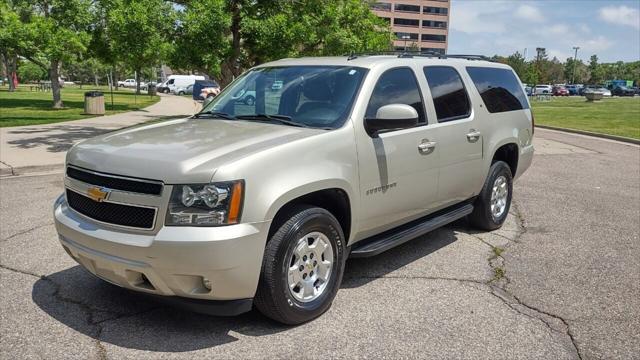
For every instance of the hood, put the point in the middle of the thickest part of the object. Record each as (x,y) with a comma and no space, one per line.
(180,151)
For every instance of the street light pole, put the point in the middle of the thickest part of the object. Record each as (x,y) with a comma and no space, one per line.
(575,58)
(405,38)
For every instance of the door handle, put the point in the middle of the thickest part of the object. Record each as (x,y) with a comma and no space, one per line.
(473,135)
(426,146)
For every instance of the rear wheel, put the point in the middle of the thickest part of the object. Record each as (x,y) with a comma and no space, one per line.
(302,267)
(494,201)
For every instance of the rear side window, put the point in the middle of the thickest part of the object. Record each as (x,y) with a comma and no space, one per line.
(396,86)
(450,98)
(499,88)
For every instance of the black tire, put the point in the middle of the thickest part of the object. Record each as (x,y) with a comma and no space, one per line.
(273,297)
(482,217)
(249,100)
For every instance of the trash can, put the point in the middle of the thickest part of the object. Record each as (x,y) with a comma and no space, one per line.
(94,103)
(151,89)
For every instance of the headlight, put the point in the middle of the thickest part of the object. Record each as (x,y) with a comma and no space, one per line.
(212,204)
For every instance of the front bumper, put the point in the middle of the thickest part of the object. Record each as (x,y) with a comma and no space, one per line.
(175,261)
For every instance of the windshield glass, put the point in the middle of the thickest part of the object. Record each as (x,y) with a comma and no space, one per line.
(314,96)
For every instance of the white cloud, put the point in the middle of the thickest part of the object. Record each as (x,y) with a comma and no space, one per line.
(585,28)
(597,44)
(474,17)
(529,13)
(559,29)
(621,15)
(491,27)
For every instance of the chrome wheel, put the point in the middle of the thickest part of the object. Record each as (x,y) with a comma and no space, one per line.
(310,267)
(499,197)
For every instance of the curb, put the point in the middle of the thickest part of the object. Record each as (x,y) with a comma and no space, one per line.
(30,170)
(589,133)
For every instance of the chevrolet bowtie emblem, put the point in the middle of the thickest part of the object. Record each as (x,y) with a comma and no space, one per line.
(98,194)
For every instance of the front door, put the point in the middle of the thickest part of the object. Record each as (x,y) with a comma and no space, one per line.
(398,169)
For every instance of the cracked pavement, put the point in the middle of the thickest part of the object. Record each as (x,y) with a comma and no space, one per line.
(560,280)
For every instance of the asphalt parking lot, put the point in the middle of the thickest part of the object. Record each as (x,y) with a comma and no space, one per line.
(561,280)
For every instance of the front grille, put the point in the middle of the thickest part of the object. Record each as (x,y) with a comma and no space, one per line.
(117,214)
(117,183)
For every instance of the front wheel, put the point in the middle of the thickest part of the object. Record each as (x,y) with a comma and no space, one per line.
(492,205)
(302,266)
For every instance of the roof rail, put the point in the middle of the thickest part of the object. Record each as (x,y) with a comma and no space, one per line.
(410,54)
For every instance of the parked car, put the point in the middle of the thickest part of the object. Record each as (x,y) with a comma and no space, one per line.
(203,89)
(603,90)
(587,88)
(175,82)
(574,89)
(185,90)
(162,87)
(543,89)
(262,208)
(246,97)
(131,83)
(560,91)
(622,91)
(127,83)
(528,90)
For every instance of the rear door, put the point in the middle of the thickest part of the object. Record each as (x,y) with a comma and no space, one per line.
(459,135)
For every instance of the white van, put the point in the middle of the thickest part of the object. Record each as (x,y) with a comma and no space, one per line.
(181,81)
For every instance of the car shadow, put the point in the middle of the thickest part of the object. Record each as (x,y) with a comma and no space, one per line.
(60,138)
(127,319)
(55,138)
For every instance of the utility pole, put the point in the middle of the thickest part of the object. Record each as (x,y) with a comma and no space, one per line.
(539,52)
(575,58)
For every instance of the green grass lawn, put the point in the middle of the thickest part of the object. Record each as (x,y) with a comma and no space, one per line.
(614,116)
(25,107)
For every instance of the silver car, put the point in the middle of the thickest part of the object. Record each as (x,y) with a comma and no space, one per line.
(260,204)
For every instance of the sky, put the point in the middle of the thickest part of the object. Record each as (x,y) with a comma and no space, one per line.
(607,28)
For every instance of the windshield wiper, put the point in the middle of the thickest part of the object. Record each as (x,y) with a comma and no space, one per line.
(215,114)
(282,119)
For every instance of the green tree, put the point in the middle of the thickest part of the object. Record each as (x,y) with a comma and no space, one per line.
(595,70)
(136,32)
(555,71)
(85,70)
(224,37)
(11,36)
(49,33)
(517,62)
(28,71)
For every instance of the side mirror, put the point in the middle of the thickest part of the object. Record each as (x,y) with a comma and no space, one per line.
(391,117)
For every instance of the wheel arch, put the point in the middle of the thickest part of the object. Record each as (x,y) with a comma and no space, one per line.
(334,199)
(509,153)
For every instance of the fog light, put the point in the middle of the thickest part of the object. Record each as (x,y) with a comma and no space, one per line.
(207,283)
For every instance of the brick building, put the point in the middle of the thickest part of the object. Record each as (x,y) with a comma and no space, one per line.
(421,24)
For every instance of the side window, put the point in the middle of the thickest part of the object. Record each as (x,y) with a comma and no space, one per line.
(499,88)
(450,98)
(396,86)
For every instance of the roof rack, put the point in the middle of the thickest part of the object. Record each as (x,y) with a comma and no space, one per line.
(411,54)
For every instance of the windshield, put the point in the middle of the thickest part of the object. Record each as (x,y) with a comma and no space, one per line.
(313,96)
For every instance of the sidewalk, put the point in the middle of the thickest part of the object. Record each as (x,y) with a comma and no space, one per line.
(43,147)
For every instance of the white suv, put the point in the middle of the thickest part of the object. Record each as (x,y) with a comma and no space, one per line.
(261,202)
